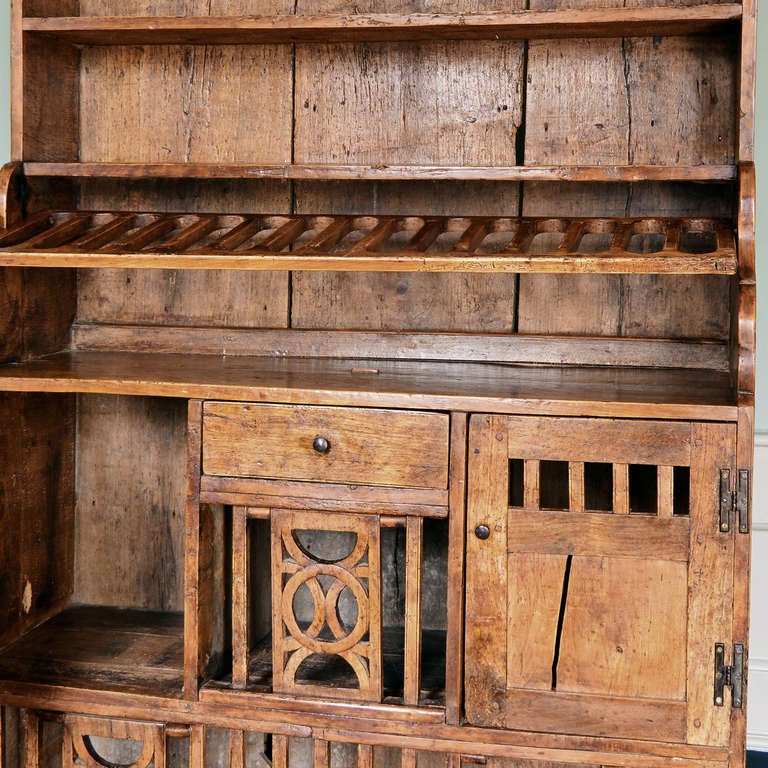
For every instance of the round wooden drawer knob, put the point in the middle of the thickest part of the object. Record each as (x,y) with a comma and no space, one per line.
(482,532)
(321,444)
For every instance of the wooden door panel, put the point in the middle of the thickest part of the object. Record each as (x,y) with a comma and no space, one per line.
(602,536)
(623,631)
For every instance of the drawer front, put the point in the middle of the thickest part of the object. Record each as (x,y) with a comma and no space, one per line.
(406,449)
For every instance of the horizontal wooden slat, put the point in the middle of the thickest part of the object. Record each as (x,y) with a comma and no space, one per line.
(593,534)
(552,390)
(162,30)
(645,442)
(387,172)
(361,499)
(350,723)
(595,715)
(467,347)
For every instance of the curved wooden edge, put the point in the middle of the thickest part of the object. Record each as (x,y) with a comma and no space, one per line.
(11,202)
(744,332)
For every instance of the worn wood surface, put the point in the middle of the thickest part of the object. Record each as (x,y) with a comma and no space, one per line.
(368,446)
(470,387)
(129,542)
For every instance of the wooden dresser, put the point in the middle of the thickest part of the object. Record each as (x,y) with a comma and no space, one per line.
(377,384)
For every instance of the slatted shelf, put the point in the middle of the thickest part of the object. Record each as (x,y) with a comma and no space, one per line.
(324,28)
(371,243)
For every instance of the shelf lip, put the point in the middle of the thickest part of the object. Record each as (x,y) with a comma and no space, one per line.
(316,242)
(364,27)
(477,387)
(661,264)
(385,171)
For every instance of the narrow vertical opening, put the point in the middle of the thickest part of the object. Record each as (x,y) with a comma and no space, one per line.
(554,485)
(561,619)
(643,484)
(598,486)
(516,482)
(681,490)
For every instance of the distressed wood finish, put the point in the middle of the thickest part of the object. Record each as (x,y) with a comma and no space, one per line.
(569,643)
(377,383)
(405,449)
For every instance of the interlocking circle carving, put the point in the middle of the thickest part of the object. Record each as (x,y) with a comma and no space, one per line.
(326,606)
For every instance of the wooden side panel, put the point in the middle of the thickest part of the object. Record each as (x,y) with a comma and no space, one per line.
(710,584)
(131,501)
(36,506)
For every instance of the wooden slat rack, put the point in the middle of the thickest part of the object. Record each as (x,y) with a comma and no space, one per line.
(372,243)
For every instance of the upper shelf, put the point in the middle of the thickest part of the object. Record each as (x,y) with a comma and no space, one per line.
(363,27)
(371,243)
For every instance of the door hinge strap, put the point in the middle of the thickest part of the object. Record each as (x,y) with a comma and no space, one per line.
(734,504)
(731,676)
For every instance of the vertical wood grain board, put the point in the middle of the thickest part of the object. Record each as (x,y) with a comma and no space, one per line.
(131,501)
(451,102)
(36,505)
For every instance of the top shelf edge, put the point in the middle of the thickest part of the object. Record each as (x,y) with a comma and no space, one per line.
(323,28)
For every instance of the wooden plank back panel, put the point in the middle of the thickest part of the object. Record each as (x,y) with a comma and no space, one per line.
(366,104)
(131,500)
(630,115)
(186,104)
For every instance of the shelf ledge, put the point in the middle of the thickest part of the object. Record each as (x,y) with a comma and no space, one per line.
(365,27)
(385,172)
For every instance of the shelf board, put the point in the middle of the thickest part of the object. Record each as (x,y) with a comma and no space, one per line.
(550,389)
(371,243)
(101,648)
(364,27)
(385,172)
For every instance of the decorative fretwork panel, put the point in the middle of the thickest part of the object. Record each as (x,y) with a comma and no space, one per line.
(333,647)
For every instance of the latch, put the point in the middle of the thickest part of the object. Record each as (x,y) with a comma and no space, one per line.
(734,504)
(732,676)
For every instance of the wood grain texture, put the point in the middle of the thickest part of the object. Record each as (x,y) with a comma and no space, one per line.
(185,104)
(485,642)
(368,446)
(673,394)
(36,546)
(131,500)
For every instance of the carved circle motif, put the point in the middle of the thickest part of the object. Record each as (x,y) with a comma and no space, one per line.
(326,608)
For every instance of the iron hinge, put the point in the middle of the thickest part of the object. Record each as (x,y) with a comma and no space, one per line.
(734,504)
(731,676)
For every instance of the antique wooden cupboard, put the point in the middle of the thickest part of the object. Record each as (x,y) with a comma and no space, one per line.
(377,384)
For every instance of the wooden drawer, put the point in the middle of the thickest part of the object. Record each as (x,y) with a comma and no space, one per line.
(361,446)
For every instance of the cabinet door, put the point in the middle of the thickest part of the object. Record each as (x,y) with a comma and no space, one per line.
(598,581)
